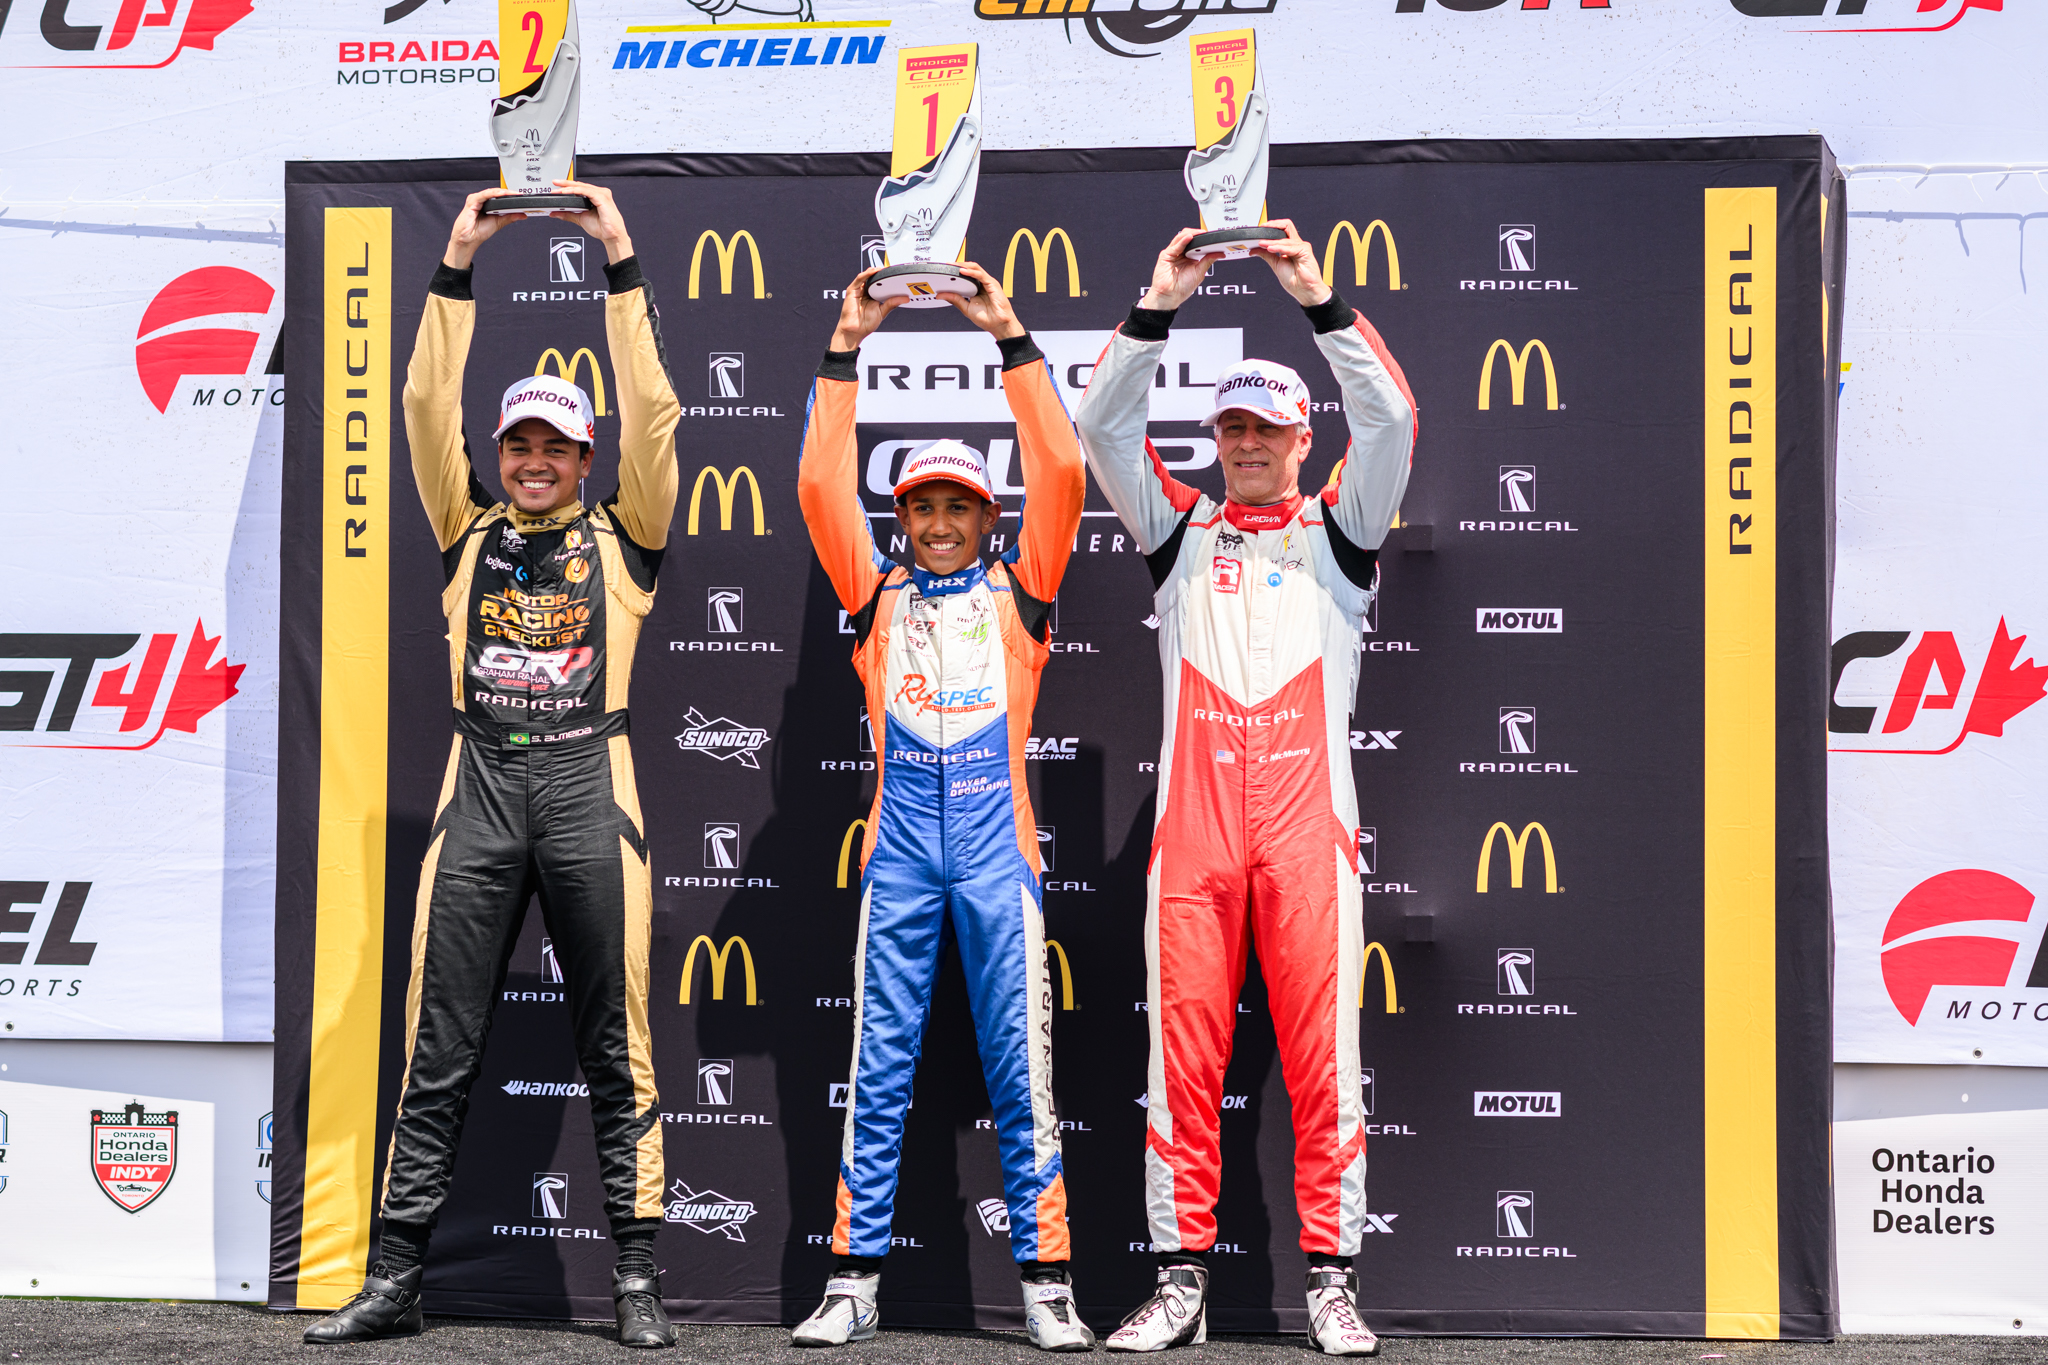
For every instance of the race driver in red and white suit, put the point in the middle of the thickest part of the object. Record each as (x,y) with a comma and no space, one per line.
(1261,600)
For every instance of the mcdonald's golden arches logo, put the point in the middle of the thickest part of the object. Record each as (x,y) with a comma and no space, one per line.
(1052,946)
(727,488)
(718,958)
(1041,260)
(1518,851)
(846,847)
(728,253)
(1361,248)
(573,366)
(1518,374)
(1386,971)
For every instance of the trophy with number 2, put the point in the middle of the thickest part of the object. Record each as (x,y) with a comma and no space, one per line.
(533,119)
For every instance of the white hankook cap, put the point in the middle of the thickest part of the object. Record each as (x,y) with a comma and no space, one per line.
(562,405)
(945,460)
(1265,387)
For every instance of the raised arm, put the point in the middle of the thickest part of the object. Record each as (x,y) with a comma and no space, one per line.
(828,484)
(1054,481)
(449,488)
(648,409)
(1111,423)
(1380,412)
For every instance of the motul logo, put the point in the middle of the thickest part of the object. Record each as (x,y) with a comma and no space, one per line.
(1519,1104)
(144,33)
(1922,690)
(183,330)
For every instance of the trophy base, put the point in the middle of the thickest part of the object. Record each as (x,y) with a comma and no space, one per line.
(539,205)
(921,284)
(1230,244)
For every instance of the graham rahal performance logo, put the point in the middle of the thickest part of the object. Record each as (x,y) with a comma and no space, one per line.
(134,1153)
(1922,690)
(722,738)
(201,323)
(1123,28)
(708,1211)
(70,691)
(143,33)
(1951,953)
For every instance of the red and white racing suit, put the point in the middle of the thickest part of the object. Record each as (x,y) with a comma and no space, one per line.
(1260,611)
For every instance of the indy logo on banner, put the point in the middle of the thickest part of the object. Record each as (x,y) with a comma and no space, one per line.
(134,1153)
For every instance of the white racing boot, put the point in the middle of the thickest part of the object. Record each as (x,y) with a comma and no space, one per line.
(1333,1320)
(1177,1314)
(1052,1319)
(847,1314)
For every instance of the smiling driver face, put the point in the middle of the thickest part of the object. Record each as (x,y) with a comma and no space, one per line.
(1261,459)
(540,467)
(946,522)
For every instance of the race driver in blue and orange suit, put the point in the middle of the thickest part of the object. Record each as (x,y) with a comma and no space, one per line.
(544,599)
(950,653)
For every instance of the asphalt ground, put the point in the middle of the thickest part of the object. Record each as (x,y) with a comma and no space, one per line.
(47,1330)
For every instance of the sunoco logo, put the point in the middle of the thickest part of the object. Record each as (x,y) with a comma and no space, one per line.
(1517,1104)
(722,738)
(708,1211)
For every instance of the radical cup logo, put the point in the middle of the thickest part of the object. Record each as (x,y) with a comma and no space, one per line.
(134,1153)
(183,329)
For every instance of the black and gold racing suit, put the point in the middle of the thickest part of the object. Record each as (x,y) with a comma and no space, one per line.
(543,614)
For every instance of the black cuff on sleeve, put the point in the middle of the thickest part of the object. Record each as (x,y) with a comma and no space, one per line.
(624,277)
(451,283)
(841,365)
(1331,315)
(1018,351)
(1149,324)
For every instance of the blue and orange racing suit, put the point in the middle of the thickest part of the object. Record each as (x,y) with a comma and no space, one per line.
(951,670)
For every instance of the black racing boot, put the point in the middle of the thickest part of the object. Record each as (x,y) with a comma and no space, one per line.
(385,1308)
(637,1298)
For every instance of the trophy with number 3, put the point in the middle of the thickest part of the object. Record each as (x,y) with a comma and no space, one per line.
(934,166)
(1226,172)
(533,119)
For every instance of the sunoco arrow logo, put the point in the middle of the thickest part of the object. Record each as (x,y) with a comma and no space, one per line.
(708,1211)
(722,738)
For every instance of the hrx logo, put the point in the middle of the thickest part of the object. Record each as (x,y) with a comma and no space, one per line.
(1931,677)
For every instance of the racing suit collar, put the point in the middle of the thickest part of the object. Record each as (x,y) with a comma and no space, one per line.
(932,585)
(554,521)
(1268,518)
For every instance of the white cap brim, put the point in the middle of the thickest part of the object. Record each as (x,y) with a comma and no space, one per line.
(563,425)
(1272,415)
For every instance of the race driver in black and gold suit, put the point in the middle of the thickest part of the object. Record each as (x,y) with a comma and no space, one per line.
(544,599)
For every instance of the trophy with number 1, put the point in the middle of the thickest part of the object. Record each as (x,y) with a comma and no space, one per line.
(934,166)
(1226,172)
(533,119)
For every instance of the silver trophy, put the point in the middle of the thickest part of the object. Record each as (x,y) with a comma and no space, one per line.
(533,130)
(1228,182)
(924,216)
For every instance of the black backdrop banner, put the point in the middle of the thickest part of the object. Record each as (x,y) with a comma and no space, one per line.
(1589,760)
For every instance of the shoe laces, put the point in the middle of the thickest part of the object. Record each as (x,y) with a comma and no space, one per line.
(1158,1303)
(1339,1305)
(641,1305)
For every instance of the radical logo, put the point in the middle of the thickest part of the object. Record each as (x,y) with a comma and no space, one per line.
(182,331)
(144,34)
(1932,677)
(1959,930)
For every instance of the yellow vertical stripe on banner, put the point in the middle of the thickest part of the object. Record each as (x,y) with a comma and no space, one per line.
(355,575)
(1740,297)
